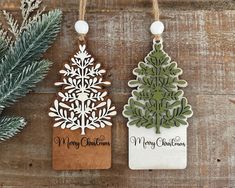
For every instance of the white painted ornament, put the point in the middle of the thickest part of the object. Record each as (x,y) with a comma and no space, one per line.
(157,114)
(167,150)
(83,105)
(81,27)
(157,28)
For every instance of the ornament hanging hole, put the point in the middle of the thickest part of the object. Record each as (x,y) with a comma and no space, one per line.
(157,39)
(81,40)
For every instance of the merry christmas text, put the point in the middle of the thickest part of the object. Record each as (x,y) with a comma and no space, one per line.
(82,142)
(159,142)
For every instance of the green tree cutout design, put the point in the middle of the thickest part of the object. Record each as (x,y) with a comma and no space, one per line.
(157,101)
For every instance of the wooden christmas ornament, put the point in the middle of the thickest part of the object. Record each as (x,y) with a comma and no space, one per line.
(82,113)
(157,112)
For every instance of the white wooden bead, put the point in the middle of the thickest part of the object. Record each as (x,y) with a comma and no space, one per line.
(157,28)
(82,27)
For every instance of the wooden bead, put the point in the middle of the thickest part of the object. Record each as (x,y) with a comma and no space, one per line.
(82,27)
(157,28)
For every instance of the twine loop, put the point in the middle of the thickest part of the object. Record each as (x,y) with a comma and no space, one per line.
(82,12)
(156,13)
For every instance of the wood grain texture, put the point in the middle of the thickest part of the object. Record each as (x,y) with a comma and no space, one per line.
(72,151)
(199,36)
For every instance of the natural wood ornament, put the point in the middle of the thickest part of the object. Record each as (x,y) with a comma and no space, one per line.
(82,112)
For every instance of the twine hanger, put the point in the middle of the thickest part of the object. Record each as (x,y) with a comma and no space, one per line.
(82,12)
(156,13)
(82,9)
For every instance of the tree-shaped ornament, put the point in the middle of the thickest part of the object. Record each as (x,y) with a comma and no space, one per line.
(82,111)
(157,111)
(157,102)
(83,104)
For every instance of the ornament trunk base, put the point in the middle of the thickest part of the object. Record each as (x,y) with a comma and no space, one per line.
(148,150)
(73,151)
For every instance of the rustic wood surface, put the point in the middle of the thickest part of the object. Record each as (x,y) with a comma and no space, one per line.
(200,36)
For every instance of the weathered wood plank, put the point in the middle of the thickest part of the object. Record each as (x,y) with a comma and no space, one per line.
(202,42)
(131,5)
(210,155)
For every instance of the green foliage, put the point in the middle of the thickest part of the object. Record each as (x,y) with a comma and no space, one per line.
(10,126)
(21,66)
(157,102)
(18,84)
(3,43)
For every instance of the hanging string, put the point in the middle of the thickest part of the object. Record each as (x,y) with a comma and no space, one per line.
(156,12)
(82,12)
(82,9)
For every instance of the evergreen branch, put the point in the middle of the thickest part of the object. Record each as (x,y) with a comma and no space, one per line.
(20,65)
(3,47)
(3,33)
(5,37)
(29,6)
(31,20)
(16,87)
(32,43)
(4,42)
(12,23)
(10,126)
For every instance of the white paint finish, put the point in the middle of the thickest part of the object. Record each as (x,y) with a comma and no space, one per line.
(81,27)
(83,105)
(155,156)
(157,28)
(165,157)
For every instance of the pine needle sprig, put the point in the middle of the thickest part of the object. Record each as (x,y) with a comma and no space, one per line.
(12,23)
(13,88)
(5,41)
(10,126)
(21,66)
(27,8)
(33,42)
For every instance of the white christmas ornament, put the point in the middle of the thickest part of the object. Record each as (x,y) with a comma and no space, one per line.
(83,105)
(81,27)
(157,28)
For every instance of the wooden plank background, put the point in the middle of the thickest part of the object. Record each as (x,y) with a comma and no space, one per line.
(200,36)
